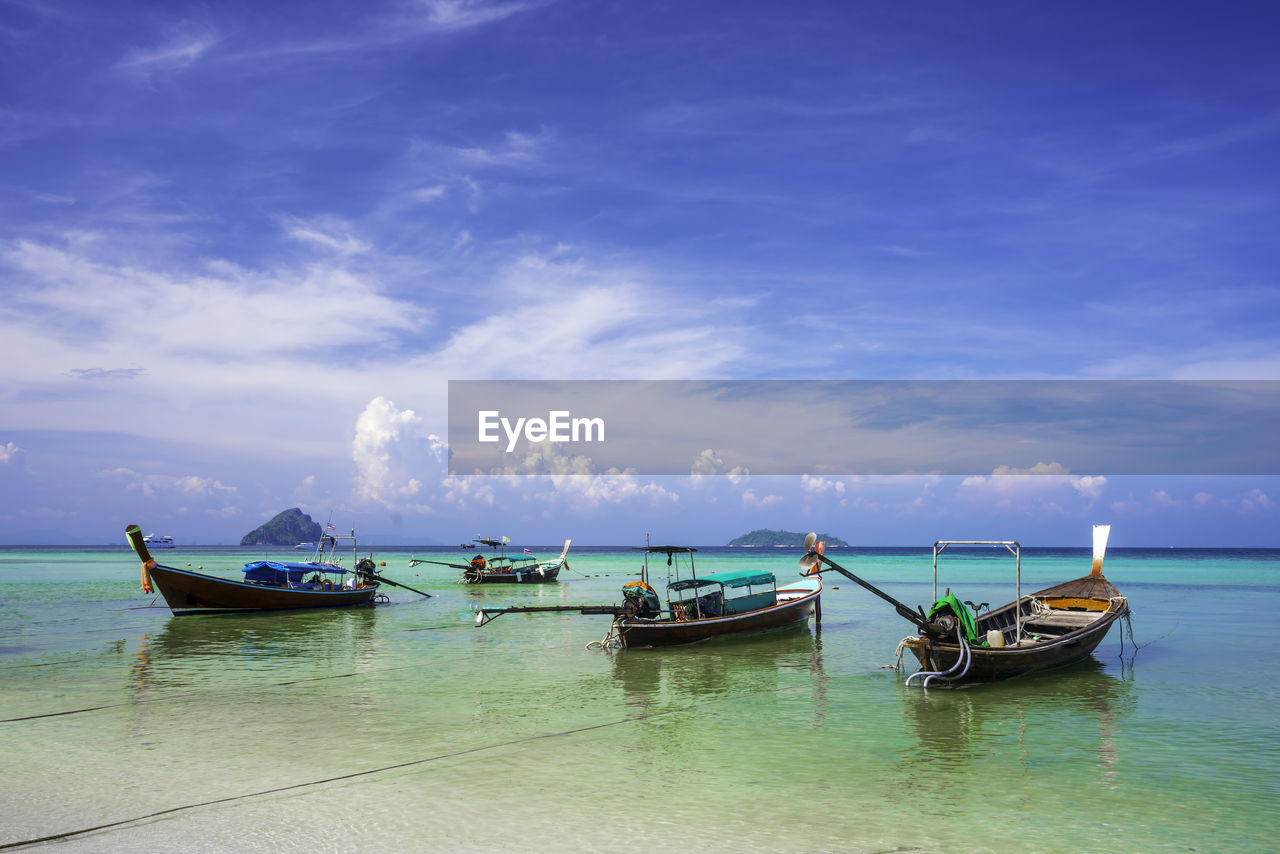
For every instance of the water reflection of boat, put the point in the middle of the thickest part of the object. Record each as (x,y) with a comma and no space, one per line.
(698,607)
(186,654)
(746,664)
(953,729)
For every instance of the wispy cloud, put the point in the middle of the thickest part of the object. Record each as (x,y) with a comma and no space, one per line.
(409,22)
(108,373)
(179,52)
(328,234)
(451,15)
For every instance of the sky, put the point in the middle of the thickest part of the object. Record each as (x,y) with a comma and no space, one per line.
(245,247)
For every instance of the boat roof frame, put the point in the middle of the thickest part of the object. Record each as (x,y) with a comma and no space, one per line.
(1014,548)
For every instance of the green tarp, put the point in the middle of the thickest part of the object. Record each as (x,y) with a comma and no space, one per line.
(955,606)
(741,578)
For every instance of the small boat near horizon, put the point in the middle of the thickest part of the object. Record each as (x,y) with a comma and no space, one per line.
(501,568)
(268,585)
(301,547)
(1047,629)
(159,542)
(698,608)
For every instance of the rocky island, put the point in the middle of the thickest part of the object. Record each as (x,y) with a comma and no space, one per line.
(766,537)
(287,528)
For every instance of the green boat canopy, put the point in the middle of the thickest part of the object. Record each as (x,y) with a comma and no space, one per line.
(741,578)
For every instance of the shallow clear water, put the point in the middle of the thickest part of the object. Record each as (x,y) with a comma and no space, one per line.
(407,727)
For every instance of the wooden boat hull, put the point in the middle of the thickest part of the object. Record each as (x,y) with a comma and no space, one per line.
(988,664)
(189,593)
(801,600)
(471,576)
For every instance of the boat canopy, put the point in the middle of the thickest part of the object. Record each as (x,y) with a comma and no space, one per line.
(740,578)
(271,570)
(666,550)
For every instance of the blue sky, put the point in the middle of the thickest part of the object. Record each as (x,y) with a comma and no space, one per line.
(243,248)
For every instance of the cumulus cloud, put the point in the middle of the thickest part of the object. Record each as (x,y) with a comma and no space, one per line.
(750,499)
(172,486)
(9,453)
(1256,500)
(710,463)
(395,457)
(1037,485)
(588,491)
(816,485)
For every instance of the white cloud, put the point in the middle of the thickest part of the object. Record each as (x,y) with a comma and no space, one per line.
(9,453)
(1035,485)
(592,322)
(173,486)
(179,53)
(710,463)
(589,491)
(814,485)
(395,457)
(450,15)
(517,148)
(328,234)
(1090,486)
(750,499)
(427,194)
(250,314)
(1256,500)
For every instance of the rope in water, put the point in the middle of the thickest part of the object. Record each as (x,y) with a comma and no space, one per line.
(366,773)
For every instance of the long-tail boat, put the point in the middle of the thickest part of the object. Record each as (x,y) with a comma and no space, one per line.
(268,585)
(1049,628)
(502,568)
(697,608)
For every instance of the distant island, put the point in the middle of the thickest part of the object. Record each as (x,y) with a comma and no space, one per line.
(288,528)
(765,537)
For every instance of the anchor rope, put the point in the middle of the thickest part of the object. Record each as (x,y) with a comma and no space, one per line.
(371,771)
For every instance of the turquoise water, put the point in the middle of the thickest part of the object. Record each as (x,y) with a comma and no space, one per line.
(406,727)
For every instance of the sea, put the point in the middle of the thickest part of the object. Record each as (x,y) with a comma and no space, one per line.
(407,727)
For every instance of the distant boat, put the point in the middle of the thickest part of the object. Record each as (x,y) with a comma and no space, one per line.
(304,547)
(698,607)
(155,542)
(502,568)
(1050,628)
(268,585)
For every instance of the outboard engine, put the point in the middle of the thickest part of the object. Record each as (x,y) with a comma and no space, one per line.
(366,569)
(640,600)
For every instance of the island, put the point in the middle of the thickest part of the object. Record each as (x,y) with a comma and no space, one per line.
(287,528)
(766,537)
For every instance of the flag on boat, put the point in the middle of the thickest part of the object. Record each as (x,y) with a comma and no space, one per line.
(528,551)
(328,526)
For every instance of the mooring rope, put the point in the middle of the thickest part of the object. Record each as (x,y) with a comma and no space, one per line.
(369,772)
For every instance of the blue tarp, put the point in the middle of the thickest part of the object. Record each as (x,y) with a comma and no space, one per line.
(271,570)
